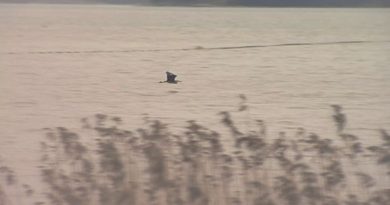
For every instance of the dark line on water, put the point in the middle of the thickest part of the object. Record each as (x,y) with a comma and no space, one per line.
(195,48)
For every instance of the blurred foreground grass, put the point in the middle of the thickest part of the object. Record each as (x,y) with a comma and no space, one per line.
(151,165)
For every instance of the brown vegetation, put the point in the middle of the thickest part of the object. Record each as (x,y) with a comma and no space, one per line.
(154,166)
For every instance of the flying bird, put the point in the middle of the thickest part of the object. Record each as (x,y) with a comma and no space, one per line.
(170,78)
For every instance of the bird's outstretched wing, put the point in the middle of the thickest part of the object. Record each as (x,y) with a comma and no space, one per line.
(170,77)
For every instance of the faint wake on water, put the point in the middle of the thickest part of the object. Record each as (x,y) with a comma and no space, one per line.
(194,48)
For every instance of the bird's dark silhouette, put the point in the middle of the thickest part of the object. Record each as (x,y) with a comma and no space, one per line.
(171,78)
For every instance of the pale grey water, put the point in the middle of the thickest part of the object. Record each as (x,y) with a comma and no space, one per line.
(60,63)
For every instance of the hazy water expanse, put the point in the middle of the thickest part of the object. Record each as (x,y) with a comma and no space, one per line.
(59,63)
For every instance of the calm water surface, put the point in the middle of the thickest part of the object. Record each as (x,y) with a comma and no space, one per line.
(64,62)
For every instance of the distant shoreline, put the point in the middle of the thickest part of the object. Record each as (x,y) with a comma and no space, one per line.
(196,5)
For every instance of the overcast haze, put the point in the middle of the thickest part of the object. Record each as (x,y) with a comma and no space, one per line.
(297,3)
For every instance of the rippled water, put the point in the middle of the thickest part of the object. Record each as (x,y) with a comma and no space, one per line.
(64,62)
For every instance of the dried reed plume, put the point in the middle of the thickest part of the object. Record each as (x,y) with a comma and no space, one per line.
(153,166)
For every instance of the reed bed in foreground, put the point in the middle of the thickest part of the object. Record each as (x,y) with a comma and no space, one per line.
(151,165)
